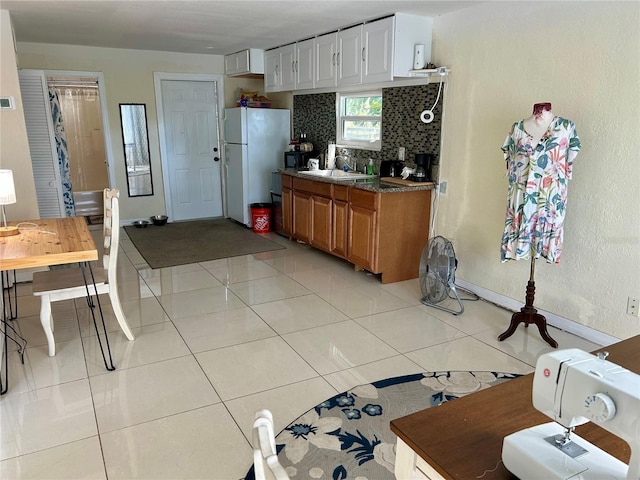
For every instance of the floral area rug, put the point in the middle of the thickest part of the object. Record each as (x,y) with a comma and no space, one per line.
(348,436)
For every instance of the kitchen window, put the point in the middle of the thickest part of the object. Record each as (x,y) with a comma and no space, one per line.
(359,120)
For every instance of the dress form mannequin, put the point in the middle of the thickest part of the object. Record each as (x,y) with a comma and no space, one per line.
(538,123)
(535,126)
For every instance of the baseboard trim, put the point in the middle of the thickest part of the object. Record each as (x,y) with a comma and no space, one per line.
(557,321)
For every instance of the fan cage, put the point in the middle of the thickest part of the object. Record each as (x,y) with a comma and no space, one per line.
(438,264)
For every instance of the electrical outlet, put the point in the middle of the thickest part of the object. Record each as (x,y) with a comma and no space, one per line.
(632,306)
(443,188)
(401,154)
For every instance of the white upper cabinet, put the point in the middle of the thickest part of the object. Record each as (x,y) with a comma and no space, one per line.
(288,62)
(289,67)
(389,45)
(250,61)
(326,51)
(304,67)
(279,65)
(373,52)
(377,43)
(350,56)
(272,70)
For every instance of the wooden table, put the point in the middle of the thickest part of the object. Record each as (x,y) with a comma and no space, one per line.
(462,439)
(41,243)
(49,241)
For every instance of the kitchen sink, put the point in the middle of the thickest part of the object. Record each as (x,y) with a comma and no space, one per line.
(337,174)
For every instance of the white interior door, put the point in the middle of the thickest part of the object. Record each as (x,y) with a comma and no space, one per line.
(42,145)
(192,149)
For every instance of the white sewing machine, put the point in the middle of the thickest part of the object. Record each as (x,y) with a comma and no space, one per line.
(574,387)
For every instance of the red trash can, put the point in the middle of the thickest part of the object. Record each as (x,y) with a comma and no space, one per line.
(261,217)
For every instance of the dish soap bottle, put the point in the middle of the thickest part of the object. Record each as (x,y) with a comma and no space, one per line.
(370,167)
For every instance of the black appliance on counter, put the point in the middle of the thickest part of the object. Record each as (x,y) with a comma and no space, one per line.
(297,160)
(423,163)
(391,168)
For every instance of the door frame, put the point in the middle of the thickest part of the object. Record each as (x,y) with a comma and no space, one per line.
(103,111)
(218,81)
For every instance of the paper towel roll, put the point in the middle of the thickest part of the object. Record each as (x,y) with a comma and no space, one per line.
(331,156)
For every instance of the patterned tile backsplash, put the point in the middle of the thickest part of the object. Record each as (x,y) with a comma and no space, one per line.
(315,115)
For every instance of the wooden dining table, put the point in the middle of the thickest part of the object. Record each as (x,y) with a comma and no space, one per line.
(47,241)
(42,243)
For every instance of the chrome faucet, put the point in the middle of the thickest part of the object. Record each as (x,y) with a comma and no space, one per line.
(345,161)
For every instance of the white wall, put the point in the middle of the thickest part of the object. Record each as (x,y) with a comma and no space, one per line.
(583,57)
(14,145)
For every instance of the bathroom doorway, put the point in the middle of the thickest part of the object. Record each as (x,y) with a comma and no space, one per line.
(80,115)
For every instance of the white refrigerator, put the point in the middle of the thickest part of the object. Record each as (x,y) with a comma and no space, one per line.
(255,142)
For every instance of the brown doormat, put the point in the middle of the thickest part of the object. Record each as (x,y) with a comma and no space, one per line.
(180,243)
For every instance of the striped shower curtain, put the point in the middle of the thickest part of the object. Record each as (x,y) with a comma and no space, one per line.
(63,154)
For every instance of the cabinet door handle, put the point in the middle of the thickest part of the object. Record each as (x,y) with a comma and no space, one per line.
(277,68)
(333,59)
(293,67)
(338,59)
(363,48)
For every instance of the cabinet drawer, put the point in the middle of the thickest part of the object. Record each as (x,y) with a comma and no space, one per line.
(364,199)
(309,186)
(341,192)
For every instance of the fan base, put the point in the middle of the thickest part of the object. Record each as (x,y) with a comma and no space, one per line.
(452,287)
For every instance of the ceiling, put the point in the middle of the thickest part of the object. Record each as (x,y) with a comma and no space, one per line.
(214,27)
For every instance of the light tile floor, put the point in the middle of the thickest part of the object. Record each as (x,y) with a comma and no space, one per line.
(215,342)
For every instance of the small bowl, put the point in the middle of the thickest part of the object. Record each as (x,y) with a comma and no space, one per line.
(159,220)
(141,223)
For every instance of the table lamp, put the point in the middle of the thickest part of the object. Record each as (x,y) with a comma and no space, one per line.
(7,197)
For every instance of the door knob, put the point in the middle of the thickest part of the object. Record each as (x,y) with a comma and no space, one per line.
(216,159)
(215,149)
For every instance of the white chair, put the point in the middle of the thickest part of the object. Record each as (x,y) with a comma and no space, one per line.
(68,283)
(265,459)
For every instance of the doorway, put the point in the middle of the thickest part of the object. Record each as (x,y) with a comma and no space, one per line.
(80,113)
(188,110)
(65,115)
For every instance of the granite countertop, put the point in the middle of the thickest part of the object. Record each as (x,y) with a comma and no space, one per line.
(373,184)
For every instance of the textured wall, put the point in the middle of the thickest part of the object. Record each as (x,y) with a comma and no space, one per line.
(582,57)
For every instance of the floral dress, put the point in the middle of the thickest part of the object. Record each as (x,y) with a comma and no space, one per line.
(537,196)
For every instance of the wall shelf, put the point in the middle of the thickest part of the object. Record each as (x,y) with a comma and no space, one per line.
(440,71)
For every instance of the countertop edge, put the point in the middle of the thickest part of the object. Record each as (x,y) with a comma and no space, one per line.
(372,185)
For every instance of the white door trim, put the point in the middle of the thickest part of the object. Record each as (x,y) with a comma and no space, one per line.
(103,110)
(193,77)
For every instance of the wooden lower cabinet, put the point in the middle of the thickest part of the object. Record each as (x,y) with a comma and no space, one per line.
(362,241)
(301,224)
(339,240)
(340,227)
(287,203)
(383,233)
(321,220)
(312,213)
(286,210)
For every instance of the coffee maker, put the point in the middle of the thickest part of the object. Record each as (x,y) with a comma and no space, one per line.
(423,167)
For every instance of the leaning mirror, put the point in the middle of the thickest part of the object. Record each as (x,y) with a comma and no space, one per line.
(135,140)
